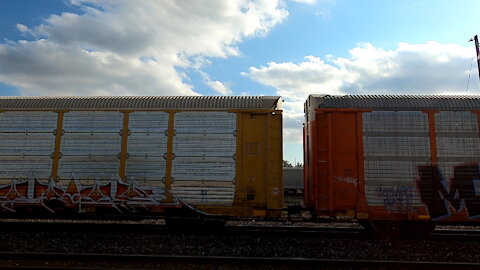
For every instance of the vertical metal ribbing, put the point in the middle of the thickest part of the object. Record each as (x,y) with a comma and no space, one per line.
(330,160)
(362,205)
(168,170)
(238,157)
(478,120)
(58,141)
(123,151)
(274,191)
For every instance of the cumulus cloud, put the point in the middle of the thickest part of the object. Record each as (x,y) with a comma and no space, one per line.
(428,68)
(124,47)
(22,28)
(220,87)
(311,2)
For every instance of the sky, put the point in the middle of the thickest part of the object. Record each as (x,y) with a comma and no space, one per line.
(287,48)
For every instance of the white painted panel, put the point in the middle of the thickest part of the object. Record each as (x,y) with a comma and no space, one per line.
(93,122)
(28,122)
(89,167)
(204,194)
(457,136)
(27,142)
(147,146)
(456,122)
(391,121)
(391,172)
(205,123)
(151,169)
(88,144)
(204,144)
(458,147)
(204,168)
(91,145)
(148,122)
(389,176)
(383,146)
(204,164)
(458,141)
(395,145)
(13,167)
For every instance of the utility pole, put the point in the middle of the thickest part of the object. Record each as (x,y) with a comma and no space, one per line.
(475,38)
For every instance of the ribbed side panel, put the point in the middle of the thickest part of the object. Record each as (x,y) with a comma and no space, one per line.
(91,145)
(27,141)
(395,144)
(204,163)
(458,140)
(397,102)
(141,102)
(147,145)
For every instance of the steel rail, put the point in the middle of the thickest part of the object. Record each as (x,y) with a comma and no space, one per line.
(299,231)
(10,260)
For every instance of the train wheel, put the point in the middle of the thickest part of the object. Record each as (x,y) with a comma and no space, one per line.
(385,228)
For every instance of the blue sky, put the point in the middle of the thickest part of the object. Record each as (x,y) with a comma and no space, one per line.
(239,47)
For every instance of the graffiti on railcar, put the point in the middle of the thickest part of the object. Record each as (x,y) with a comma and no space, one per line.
(461,195)
(115,194)
(396,199)
(348,180)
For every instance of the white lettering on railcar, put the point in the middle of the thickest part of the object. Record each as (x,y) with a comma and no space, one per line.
(349,180)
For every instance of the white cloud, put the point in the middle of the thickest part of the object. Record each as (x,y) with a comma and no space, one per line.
(429,68)
(310,2)
(22,28)
(219,87)
(124,47)
(295,81)
(412,68)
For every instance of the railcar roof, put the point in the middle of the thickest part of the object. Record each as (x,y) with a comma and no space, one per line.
(397,102)
(141,102)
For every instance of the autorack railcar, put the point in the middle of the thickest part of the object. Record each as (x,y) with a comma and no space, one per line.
(135,155)
(390,162)
(393,162)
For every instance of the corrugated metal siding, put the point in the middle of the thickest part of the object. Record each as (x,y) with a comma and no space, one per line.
(147,145)
(397,102)
(141,102)
(91,145)
(204,163)
(293,178)
(458,140)
(395,144)
(26,144)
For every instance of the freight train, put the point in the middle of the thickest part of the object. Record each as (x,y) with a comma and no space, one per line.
(391,163)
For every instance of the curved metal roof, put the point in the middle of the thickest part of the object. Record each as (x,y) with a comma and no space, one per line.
(140,102)
(397,102)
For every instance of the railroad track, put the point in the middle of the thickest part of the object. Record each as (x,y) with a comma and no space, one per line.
(299,231)
(161,228)
(155,229)
(136,261)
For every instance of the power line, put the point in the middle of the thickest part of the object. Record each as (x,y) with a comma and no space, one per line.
(469,73)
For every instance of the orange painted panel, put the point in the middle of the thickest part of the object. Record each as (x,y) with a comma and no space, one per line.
(344,157)
(309,180)
(332,162)
(321,186)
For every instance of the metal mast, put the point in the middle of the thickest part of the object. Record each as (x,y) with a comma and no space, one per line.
(475,38)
